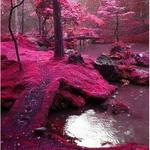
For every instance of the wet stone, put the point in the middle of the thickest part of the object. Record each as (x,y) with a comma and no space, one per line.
(40,131)
(127,132)
(118,107)
(75,58)
(141,92)
(114,96)
(107,68)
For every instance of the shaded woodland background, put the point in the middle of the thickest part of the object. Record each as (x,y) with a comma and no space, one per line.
(83,16)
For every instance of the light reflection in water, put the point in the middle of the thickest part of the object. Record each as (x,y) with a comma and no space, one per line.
(91,131)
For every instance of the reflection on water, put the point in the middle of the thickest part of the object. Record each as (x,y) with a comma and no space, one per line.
(90,131)
(91,127)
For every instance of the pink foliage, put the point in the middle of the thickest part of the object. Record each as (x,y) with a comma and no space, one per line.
(109,11)
(95,19)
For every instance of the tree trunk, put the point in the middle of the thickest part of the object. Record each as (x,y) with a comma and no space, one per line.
(59,47)
(44,30)
(11,33)
(16,19)
(39,21)
(117,28)
(22,22)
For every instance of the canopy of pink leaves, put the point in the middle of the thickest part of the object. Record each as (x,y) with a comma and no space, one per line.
(95,19)
(110,8)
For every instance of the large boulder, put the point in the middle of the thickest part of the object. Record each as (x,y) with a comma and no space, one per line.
(75,58)
(117,70)
(107,68)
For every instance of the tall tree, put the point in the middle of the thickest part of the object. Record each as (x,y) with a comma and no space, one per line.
(110,10)
(59,48)
(16,18)
(11,32)
(22,19)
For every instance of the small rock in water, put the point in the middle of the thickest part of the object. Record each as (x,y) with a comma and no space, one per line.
(119,107)
(141,91)
(122,141)
(111,121)
(141,55)
(116,92)
(129,115)
(25,110)
(125,82)
(127,132)
(114,96)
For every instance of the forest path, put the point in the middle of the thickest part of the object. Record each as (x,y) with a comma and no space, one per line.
(27,107)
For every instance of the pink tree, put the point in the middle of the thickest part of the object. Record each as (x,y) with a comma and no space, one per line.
(46,9)
(72,16)
(59,47)
(70,13)
(111,11)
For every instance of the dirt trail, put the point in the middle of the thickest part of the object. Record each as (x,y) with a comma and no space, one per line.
(26,108)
